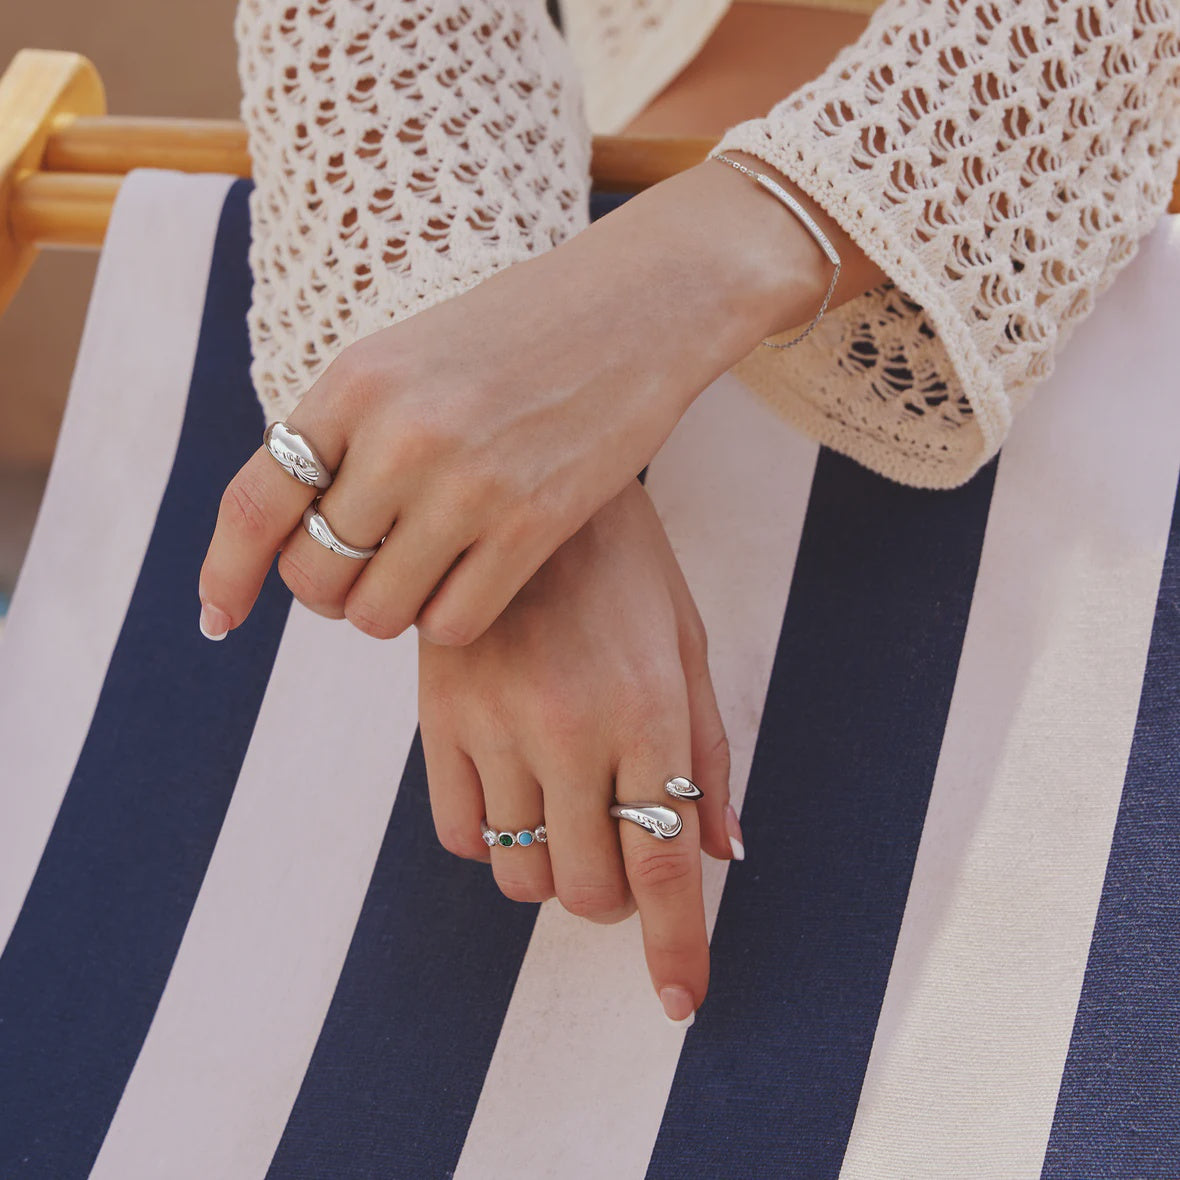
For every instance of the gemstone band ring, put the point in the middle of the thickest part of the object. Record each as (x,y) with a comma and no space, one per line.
(524,837)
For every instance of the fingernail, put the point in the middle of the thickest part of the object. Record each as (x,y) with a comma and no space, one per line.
(678,1006)
(214,622)
(735,833)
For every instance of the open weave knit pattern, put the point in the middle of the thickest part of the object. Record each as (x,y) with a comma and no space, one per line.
(1000,162)
(403,151)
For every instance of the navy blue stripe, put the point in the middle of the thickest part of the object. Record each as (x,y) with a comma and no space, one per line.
(400,1063)
(1118,1110)
(771,1072)
(395,1077)
(91,950)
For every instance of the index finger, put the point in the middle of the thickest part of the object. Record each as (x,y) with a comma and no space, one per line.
(258,510)
(665,877)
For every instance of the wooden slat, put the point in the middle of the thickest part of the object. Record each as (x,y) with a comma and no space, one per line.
(116,144)
(63,208)
(37,91)
(61,160)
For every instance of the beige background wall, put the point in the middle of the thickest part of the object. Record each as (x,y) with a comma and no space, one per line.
(156,57)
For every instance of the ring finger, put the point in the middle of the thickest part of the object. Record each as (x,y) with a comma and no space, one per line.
(360,511)
(515,805)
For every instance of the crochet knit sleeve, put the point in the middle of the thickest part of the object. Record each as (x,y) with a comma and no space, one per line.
(403,151)
(1000,162)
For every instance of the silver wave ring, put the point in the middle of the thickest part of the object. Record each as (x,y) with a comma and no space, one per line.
(683,788)
(296,455)
(321,530)
(661,821)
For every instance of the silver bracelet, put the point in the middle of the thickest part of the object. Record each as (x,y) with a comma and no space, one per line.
(772,186)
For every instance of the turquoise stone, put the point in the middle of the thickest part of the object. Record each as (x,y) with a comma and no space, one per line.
(525,838)
(507,839)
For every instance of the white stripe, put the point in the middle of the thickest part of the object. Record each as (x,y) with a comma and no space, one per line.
(972,1039)
(111,466)
(584,1061)
(229,1045)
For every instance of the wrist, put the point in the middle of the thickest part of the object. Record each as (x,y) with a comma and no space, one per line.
(778,272)
(713,257)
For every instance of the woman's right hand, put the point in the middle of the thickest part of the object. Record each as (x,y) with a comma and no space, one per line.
(479,434)
(592,686)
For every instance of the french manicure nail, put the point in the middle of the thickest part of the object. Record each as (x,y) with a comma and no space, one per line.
(735,833)
(678,1007)
(214,623)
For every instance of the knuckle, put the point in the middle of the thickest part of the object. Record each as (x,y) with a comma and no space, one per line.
(372,620)
(666,869)
(600,901)
(244,508)
(519,887)
(469,495)
(418,443)
(351,376)
(304,582)
(517,530)
(448,629)
(459,842)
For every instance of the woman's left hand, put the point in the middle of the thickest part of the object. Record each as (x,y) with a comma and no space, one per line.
(592,686)
(481,433)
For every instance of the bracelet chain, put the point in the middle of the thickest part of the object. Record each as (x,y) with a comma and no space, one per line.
(772,186)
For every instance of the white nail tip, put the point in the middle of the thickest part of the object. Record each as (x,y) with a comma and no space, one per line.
(207,635)
(736,847)
(685,1023)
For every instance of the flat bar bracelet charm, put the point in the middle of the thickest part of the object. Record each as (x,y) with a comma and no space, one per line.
(524,837)
(773,187)
(321,530)
(296,455)
(661,821)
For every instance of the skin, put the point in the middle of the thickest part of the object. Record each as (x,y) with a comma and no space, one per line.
(568,702)
(491,427)
(496,440)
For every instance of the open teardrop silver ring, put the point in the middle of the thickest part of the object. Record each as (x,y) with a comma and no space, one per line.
(295,455)
(321,530)
(662,821)
(682,788)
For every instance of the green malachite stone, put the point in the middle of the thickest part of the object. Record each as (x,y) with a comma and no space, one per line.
(507,839)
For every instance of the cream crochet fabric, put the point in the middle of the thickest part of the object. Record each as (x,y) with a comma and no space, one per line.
(403,151)
(1000,162)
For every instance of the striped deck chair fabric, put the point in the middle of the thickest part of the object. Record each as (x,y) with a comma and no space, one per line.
(232,948)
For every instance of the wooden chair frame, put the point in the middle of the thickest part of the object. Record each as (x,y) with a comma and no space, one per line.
(62,157)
